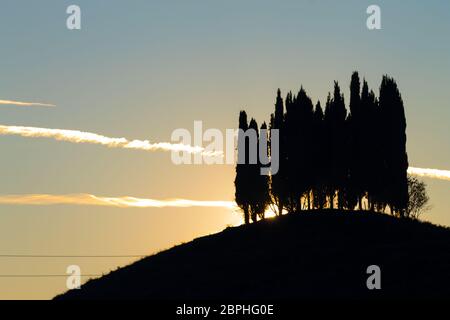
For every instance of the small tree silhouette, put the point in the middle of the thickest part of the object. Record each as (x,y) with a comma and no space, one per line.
(417,198)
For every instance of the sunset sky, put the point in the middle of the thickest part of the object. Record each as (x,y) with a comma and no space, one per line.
(139,70)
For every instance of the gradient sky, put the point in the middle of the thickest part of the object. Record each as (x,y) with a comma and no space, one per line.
(140,69)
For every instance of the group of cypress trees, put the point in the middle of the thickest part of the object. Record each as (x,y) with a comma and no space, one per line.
(331,158)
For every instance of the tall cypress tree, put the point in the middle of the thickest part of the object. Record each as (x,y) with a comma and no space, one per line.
(261,186)
(305,146)
(299,118)
(394,142)
(319,166)
(278,181)
(241,182)
(351,191)
(330,188)
(255,182)
(337,115)
(356,136)
(290,135)
(372,155)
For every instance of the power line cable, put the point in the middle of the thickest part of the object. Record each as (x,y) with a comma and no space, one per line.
(45,275)
(68,256)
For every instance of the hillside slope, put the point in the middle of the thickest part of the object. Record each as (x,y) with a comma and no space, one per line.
(307,255)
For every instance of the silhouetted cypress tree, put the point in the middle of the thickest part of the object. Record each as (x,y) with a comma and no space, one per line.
(330,188)
(351,190)
(299,118)
(355,98)
(241,182)
(376,161)
(319,167)
(356,126)
(394,146)
(305,172)
(372,155)
(278,181)
(337,114)
(256,182)
(292,198)
(261,189)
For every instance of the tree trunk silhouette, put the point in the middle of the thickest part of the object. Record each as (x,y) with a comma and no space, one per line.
(309,200)
(280,208)
(254,217)
(246,216)
(331,201)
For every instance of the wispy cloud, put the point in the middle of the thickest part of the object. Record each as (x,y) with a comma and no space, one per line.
(76,136)
(121,202)
(430,173)
(25,104)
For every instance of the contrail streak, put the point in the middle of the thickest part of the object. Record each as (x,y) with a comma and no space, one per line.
(26,104)
(430,173)
(76,136)
(121,202)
